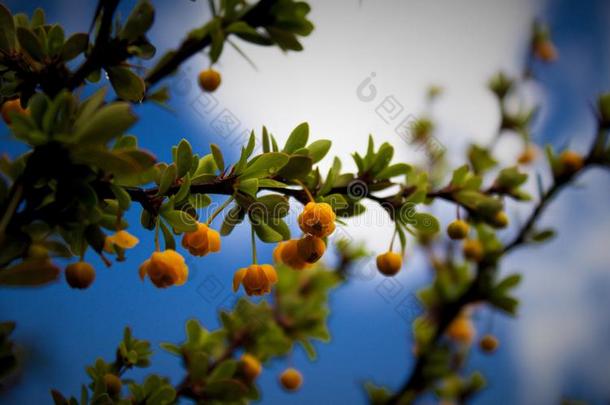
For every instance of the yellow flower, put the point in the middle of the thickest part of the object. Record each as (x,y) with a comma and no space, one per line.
(122,239)
(250,366)
(389,263)
(256,279)
(209,79)
(80,275)
(317,219)
(291,379)
(165,269)
(288,253)
(201,241)
(310,248)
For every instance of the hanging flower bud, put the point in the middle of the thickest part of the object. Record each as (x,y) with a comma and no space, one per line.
(317,219)
(256,279)
(165,269)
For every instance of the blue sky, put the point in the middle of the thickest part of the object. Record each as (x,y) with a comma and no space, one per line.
(557,346)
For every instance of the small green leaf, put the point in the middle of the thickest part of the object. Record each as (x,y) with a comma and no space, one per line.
(167,179)
(248,186)
(318,149)
(7,29)
(55,40)
(394,170)
(180,221)
(331,177)
(126,84)
(267,164)
(30,43)
(298,167)
(218,159)
(74,46)
(105,124)
(122,197)
(170,243)
(139,21)
(298,138)
(184,158)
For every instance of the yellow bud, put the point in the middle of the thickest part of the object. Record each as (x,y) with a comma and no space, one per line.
(209,80)
(461,330)
(458,229)
(489,343)
(291,379)
(473,250)
(500,220)
(250,366)
(80,275)
(389,263)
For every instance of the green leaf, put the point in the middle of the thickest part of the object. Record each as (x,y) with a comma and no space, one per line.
(298,167)
(509,282)
(267,164)
(55,40)
(180,221)
(30,43)
(333,173)
(223,371)
(298,138)
(74,46)
(171,348)
(170,243)
(218,40)
(318,149)
(543,236)
(459,176)
(481,159)
(122,197)
(424,222)
(266,144)
(248,186)
(105,124)
(394,170)
(383,158)
(29,273)
(218,159)
(139,21)
(167,179)
(126,84)
(7,29)
(234,217)
(266,233)
(275,205)
(184,158)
